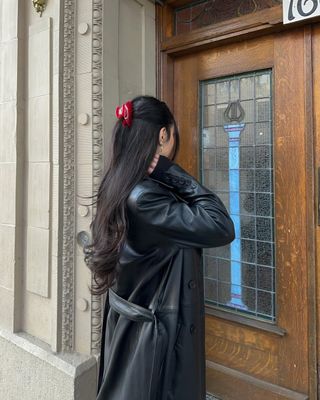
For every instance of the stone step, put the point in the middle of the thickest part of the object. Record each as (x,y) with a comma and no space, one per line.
(211,397)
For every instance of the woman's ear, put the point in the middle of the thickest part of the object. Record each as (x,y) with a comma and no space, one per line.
(163,136)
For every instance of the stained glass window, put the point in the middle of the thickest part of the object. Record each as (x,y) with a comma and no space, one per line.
(207,12)
(237,164)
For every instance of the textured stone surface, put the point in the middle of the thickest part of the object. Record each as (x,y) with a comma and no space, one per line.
(51,73)
(8,127)
(9,14)
(8,160)
(38,194)
(210,397)
(38,261)
(7,233)
(8,87)
(8,193)
(38,180)
(39,129)
(39,70)
(31,366)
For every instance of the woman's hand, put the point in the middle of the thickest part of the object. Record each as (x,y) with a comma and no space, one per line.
(154,163)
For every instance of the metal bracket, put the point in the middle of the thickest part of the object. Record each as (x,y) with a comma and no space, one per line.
(39,6)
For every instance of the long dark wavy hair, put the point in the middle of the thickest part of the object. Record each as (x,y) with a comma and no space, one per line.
(132,151)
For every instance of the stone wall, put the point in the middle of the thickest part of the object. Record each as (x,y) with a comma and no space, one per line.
(61,76)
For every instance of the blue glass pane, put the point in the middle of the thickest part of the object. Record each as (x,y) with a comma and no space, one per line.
(237,164)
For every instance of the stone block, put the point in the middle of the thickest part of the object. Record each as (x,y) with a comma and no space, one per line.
(41,325)
(55,142)
(8,71)
(40,48)
(8,193)
(39,128)
(45,375)
(9,20)
(6,312)
(55,199)
(82,315)
(37,263)
(8,126)
(38,185)
(7,255)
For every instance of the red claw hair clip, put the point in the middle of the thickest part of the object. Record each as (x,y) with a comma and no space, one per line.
(124,112)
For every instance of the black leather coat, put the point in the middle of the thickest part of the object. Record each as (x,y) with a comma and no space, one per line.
(153,326)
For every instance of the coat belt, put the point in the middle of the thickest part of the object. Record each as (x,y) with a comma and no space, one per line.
(128,309)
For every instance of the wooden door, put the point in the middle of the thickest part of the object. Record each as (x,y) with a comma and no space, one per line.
(244,119)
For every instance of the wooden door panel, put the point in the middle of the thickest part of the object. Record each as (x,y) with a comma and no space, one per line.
(244,359)
(316,108)
(236,385)
(186,112)
(237,347)
(290,207)
(234,58)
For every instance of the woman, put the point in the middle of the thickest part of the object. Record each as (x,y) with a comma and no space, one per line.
(152,220)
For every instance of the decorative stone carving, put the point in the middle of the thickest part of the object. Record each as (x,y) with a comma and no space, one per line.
(82,304)
(83,211)
(83,28)
(68,236)
(83,238)
(83,119)
(69,166)
(97,150)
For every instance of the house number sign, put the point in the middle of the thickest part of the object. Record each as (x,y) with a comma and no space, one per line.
(296,10)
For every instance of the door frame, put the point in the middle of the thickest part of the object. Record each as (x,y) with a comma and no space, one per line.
(269,20)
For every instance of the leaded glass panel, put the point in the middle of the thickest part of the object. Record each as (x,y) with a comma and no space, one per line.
(237,164)
(206,12)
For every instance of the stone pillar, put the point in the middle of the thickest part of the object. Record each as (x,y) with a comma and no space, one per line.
(61,76)
(40,359)
(11,183)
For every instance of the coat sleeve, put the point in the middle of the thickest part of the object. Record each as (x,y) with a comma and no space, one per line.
(187,214)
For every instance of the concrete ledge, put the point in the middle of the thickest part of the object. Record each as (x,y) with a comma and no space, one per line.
(30,369)
(211,397)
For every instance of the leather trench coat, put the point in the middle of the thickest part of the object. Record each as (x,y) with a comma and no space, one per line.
(153,329)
